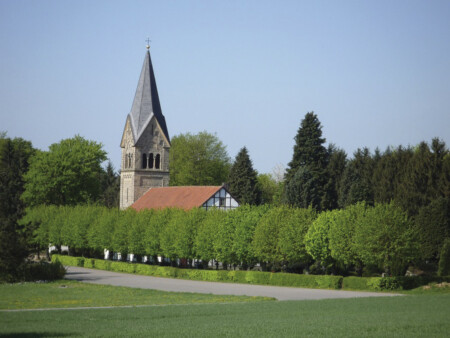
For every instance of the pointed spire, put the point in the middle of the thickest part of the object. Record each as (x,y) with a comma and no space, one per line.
(146,102)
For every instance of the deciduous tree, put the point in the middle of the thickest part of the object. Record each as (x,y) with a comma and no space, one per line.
(68,174)
(199,159)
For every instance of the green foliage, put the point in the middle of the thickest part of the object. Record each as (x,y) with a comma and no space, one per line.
(67,174)
(120,237)
(433,226)
(223,241)
(246,218)
(356,185)
(242,181)
(206,233)
(68,260)
(341,233)
(169,234)
(308,149)
(265,241)
(306,176)
(292,233)
(269,188)
(137,227)
(444,260)
(186,229)
(337,162)
(15,240)
(251,277)
(385,237)
(157,221)
(199,159)
(109,187)
(15,155)
(317,238)
(303,190)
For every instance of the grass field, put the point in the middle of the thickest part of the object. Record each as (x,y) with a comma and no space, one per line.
(68,294)
(421,313)
(412,316)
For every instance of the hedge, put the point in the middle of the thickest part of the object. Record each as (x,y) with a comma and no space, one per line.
(257,277)
(247,277)
(390,283)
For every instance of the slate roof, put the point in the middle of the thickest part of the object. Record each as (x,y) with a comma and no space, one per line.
(146,102)
(176,197)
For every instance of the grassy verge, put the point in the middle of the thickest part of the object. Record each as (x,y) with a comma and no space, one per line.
(412,316)
(65,294)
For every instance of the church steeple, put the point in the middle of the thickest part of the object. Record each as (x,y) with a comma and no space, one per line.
(146,102)
(145,141)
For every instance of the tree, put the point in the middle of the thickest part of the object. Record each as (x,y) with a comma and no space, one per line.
(246,218)
(14,158)
(242,181)
(269,188)
(265,240)
(317,238)
(433,226)
(336,164)
(356,182)
(341,235)
(68,174)
(292,233)
(206,235)
(109,186)
(311,155)
(199,159)
(385,237)
(303,190)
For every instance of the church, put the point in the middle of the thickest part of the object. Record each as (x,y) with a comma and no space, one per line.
(144,176)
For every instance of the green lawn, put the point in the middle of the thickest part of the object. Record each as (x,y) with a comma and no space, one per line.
(407,316)
(64,294)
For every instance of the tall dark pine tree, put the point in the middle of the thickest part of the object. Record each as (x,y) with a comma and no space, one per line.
(14,156)
(242,181)
(110,186)
(356,182)
(310,156)
(337,161)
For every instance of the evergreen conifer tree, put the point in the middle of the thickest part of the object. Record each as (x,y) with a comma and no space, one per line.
(242,181)
(309,154)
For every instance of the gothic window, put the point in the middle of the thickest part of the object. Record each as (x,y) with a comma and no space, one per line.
(130,160)
(157,161)
(144,161)
(150,161)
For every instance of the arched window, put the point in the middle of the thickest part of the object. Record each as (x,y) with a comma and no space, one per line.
(150,161)
(144,161)
(130,160)
(157,160)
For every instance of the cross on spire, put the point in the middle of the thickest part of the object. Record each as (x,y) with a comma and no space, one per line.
(148,43)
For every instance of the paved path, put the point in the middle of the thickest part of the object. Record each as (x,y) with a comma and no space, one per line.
(180,285)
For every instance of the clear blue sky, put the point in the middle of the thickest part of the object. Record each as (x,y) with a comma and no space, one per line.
(376,73)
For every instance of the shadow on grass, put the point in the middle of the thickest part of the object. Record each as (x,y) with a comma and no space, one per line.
(36,334)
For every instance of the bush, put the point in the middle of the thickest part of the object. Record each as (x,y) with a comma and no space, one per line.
(123,267)
(68,260)
(32,271)
(102,264)
(43,271)
(89,263)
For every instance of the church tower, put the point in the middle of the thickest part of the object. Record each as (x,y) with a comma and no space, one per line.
(145,141)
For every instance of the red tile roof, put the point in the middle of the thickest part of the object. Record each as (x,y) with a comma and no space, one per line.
(175,197)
